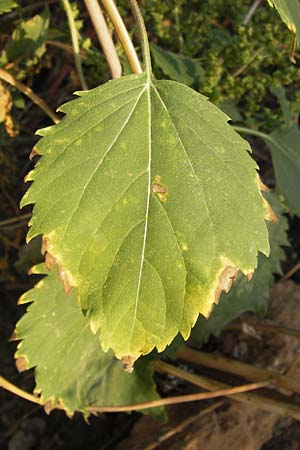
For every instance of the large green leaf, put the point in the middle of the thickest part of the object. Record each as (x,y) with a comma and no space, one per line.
(253,295)
(71,370)
(178,67)
(28,39)
(7,5)
(289,11)
(149,203)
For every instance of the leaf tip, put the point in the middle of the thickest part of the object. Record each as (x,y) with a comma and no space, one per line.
(21,364)
(14,336)
(128,363)
(33,153)
(269,213)
(29,176)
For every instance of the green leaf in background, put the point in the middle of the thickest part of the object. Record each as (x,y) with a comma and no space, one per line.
(71,370)
(149,203)
(280,94)
(28,39)
(289,11)
(7,5)
(248,295)
(178,67)
(284,145)
(230,108)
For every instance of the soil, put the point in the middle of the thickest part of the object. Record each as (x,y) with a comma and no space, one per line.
(233,425)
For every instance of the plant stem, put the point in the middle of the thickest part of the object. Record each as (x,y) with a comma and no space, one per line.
(5,222)
(66,47)
(228,365)
(123,35)
(245,130)
(281,407)
(291,272)
(75,43)
(10,79)
(104,37)
(267,327)
(219,389)
(144,37)
(227,391)
(17,391)
(251,11)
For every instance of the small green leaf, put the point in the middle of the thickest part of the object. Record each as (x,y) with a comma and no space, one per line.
(248,295)
(71,370)
(149,203)
(230,108)
(28,39)
(279,92)
(178,67)
(7,6)
(289,11)
(284,147)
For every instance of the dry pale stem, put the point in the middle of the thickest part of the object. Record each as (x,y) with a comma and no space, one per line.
(263,402)
(228,365)
(104,37)
(123,35)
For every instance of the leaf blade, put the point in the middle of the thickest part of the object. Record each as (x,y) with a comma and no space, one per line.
(71,369)
(250,295)
(145,217)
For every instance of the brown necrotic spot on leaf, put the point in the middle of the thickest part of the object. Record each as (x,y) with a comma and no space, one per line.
(45,244)
(65,279)
(49,406)
(225,280)
(21,364)
(270,215)
(50,261)
(33,153)
(128,362)
(249,275)
(159,189)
